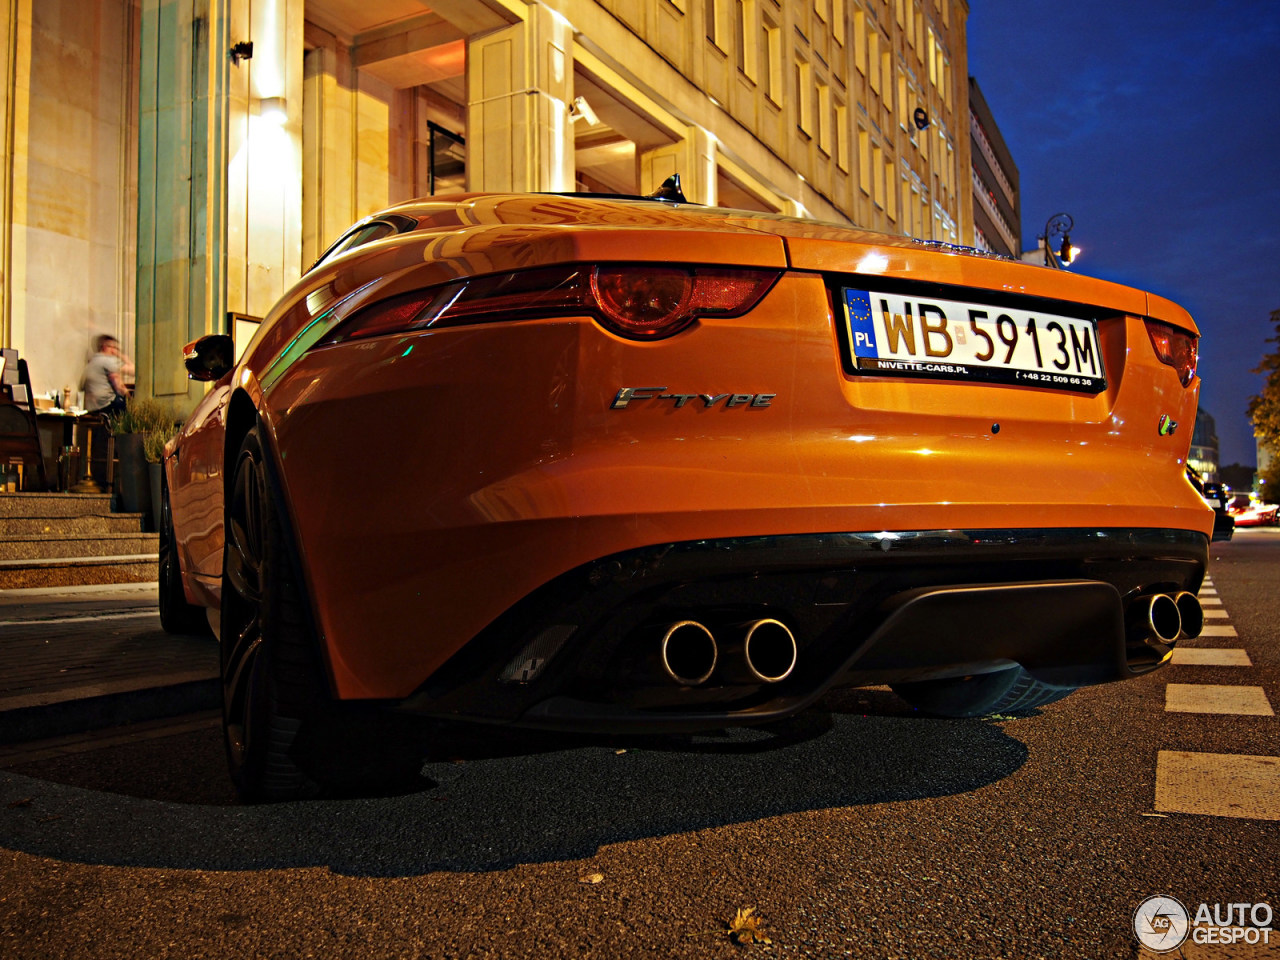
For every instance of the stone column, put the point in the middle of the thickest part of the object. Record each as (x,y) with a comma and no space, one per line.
(219,174)
(520,82)
(15,69)
(182,147)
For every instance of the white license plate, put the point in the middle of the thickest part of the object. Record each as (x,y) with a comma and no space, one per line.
(905,336)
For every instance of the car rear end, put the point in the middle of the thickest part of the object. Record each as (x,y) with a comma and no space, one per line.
(554,518)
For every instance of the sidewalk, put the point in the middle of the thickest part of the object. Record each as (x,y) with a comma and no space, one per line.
(74,659)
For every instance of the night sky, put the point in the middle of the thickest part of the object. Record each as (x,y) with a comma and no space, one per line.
(1156,125)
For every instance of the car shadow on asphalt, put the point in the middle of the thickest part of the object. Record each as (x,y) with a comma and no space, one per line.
(490,803)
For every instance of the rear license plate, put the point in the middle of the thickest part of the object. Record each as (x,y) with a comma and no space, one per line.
(904,336)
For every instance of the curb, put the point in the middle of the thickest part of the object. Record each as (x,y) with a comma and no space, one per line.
(43,721)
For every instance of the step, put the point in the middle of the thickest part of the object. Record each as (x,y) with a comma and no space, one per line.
(65,571)
(89,525)
(99,545)
(53,504)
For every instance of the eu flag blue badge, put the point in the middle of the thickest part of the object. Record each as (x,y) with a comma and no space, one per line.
(861,327)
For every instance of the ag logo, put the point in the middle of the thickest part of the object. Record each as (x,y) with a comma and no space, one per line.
(1161,923)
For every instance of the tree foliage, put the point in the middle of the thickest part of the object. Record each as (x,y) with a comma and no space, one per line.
(1270,481)
(1264,409)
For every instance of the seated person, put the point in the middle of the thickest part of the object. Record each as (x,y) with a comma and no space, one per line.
(104,389)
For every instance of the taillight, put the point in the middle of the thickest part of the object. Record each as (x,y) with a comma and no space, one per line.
(1175,347)
(635,301)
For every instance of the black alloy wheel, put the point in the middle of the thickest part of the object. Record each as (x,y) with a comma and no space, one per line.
(271,684)
(176,615)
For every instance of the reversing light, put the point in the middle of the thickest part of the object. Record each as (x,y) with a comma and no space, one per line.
(1177,348)
(639,302)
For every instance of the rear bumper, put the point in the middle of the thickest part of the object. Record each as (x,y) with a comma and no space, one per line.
(579,654)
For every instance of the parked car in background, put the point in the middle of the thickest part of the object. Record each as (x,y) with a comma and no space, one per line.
(634,465)
(1217,497)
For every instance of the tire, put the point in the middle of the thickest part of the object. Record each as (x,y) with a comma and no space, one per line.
(1010,691)
(272,684)
(286,738)
(176,615)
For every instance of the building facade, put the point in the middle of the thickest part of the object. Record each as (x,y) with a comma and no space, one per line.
(170,164)
(997,204)
(1203,457)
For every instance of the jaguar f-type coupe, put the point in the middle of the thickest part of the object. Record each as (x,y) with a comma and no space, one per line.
(616,464)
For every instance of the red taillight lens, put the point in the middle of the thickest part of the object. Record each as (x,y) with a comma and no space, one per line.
(634,301)
(1175,347)
(643,301)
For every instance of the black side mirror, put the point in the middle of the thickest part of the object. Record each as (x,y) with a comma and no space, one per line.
(209,358)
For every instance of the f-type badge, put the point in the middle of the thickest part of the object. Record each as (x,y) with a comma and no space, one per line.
(628,395)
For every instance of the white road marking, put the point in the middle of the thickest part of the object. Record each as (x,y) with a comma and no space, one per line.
(1210,657)
(1219,785)
(1219,630)
(1217,698)
(1211,602)
(1211,613)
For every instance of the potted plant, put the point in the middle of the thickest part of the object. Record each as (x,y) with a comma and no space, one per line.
(153,443)
(140,416)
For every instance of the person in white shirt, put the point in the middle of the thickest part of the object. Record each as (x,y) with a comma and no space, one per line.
(104,389)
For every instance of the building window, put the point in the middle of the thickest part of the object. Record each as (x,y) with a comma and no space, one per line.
(824,118)
(842,137)
(864,161)
(716,13)
(838,13)
(804,95)
(743,27)
(877,170)
(886,76)
(873,59)
(772,37)
(448,170)
(860,41)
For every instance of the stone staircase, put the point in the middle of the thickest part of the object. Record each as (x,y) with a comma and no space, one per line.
(72,539)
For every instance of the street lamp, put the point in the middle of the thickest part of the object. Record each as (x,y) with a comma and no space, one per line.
(1059,225)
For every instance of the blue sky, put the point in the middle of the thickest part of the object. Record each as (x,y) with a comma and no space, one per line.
(1156,125)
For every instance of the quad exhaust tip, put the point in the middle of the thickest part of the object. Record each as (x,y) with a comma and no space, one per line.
(1162,619)
(769,650)
(1190,613)
(689,653)
(761,651)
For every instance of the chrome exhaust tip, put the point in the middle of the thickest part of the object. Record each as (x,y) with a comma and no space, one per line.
(769,650)
(689,653)
(1155,619)
(1191,613)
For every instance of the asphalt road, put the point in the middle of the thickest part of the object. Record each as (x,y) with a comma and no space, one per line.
(862,830)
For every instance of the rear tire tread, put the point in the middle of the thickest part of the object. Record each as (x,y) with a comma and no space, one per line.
(1011,691)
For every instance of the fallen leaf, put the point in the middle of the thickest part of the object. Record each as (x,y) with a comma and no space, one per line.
(619,753)
(592,878)
(745,927)
(24,802)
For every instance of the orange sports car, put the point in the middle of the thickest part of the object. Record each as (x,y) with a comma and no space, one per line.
(634,465)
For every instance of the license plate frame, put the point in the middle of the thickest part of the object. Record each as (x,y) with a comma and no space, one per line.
(888,334)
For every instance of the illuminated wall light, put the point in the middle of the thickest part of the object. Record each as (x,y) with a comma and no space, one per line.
(274,110)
